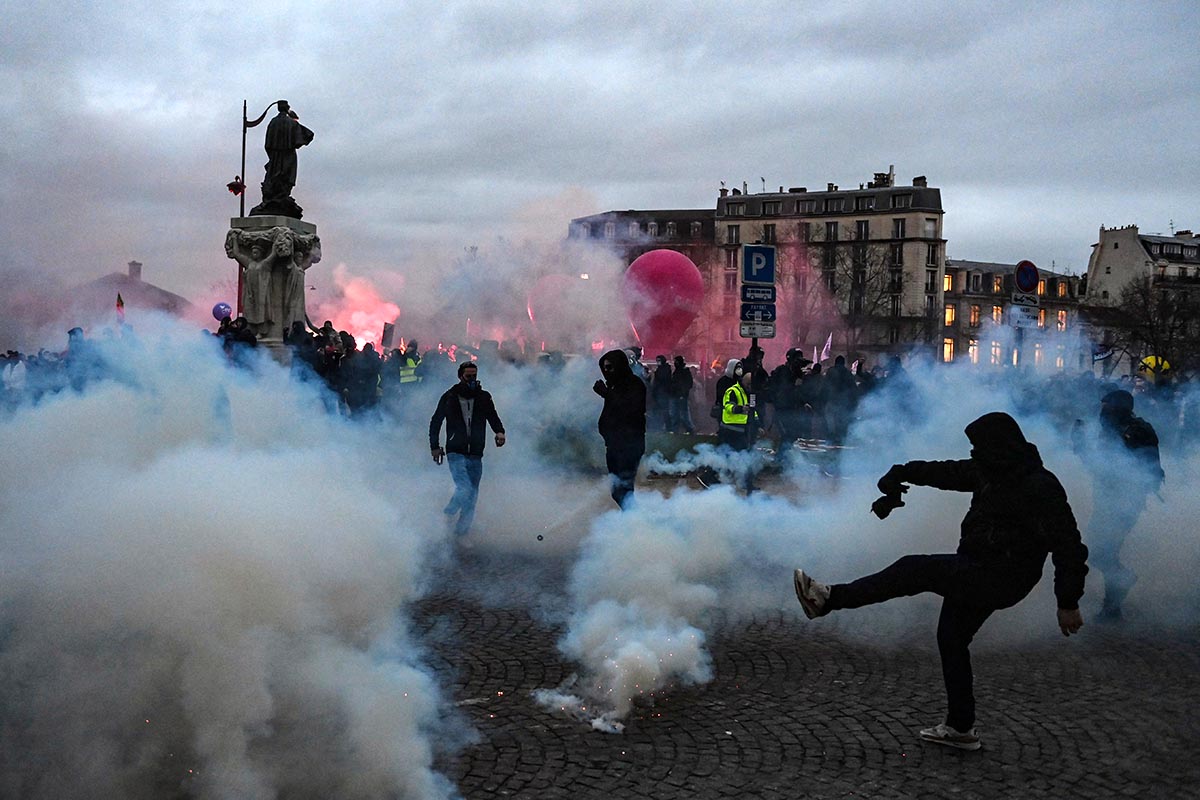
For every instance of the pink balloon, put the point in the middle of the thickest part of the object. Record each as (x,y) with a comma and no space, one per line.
(663,293)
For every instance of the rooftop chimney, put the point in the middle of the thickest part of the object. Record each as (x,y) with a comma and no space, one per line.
(829,187)
(1183,234)
(135,270)
(724,192)
(920,182)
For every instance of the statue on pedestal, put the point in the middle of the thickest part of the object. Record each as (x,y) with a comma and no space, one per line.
(285,135)
(274,262)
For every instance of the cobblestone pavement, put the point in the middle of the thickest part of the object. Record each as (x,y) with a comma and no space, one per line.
(803,710)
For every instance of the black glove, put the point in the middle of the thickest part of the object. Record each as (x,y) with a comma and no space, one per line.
(886,505)
(893,482)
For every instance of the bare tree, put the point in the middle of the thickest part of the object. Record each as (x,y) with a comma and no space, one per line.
(1153,317)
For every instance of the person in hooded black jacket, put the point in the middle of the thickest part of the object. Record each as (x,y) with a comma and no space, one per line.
(1018,513)
(622,421)
(466,409)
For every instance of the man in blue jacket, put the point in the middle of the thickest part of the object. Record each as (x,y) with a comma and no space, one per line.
(466,409)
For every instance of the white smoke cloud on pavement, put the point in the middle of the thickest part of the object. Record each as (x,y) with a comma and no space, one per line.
(205,583)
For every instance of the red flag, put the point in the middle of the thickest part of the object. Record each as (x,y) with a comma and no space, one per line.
(120,308)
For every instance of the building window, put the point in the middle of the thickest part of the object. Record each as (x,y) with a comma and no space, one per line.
(976,282)
(835,204)
(671,229)
(929,305)
(1041,317)
(947,350)
(768,236)
(1104,294)
(931,255)
(735,210)
(930,281)
(729,304)
(635,230)
(1060,359)
(930,228)
(733,234)
(696,230)
(895,281)
(804,232)
(974,316)
(998,315)
(731,281)
(894,305)
(1183,272)
(1041,290)
(1038,355)
(731,260)
(948,282)
(806,206)
(862,229)
(828,257)
(893,335)
(801,280)
(997,354)
(973,350)
(901,200)
(950,314)
(830,278)
(997,284)
(610,230)
(831,231)
(1116,245)
(1062,320)
(771,208)
(652,228)
(859,256)
(897,255)
(864,203)
(897,229)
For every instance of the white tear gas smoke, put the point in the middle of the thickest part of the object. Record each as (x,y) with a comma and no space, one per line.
(205,580)
(650,581)
(731,466)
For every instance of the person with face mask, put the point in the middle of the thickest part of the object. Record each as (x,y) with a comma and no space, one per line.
(622,422)
(1018,513)
(467,410)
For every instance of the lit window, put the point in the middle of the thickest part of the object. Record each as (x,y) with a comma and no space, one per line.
(948,282)
(973,350)
(997,354)
(1062,320)
(950,312)
(1060,360)
(1062,288)
(998,314)
(1041,317)
(947,350)
(997,284)
(1041,287)
(1038,356)
(974,316)
(733,234)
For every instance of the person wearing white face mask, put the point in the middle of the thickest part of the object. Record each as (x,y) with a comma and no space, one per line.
(466,409)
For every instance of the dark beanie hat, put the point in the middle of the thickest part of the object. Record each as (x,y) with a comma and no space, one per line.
(995,431)
(1120,400)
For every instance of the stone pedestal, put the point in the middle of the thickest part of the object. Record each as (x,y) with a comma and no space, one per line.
(274,254)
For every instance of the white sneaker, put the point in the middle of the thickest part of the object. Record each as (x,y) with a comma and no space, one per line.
(951,737)
(811,594)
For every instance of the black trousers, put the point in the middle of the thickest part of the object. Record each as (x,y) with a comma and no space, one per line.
(622,461)
(971,591)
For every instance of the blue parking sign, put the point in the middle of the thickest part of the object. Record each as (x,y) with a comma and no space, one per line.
(758,264)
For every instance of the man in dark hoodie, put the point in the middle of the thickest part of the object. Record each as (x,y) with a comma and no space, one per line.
(622,421)
(1019,513)
(466,408)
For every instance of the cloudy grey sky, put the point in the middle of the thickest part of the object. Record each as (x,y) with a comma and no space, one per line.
(444,124)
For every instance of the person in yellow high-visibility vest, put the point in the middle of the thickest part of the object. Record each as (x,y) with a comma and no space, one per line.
(410,359)
(739,416)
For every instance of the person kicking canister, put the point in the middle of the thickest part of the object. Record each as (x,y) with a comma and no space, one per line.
(1018,513)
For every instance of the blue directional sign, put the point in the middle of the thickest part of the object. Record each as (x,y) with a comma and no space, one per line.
(758,264)
(758,294)
(758,312)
